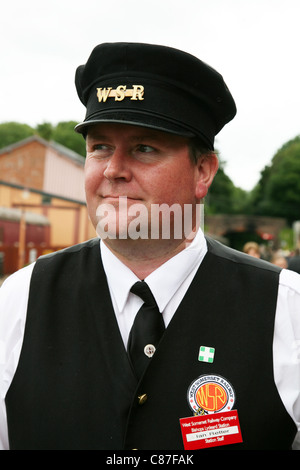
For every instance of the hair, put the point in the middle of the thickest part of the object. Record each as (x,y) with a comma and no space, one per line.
(279,260)
(198,149)
(251,246)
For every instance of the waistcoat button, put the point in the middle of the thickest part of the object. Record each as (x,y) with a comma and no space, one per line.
(142,398)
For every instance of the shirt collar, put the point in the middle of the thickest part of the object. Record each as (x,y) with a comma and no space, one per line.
(163,282)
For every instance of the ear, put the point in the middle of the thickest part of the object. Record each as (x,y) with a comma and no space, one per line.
(207,167)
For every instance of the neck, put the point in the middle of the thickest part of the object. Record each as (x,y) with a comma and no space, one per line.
(143,257)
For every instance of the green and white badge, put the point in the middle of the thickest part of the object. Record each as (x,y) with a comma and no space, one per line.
(206,354)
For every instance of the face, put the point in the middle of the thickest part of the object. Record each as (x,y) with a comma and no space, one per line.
(141,166)
(253,252)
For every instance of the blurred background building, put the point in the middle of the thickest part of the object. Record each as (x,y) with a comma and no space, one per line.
(42,201)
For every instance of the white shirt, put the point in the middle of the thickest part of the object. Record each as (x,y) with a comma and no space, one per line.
(176,276)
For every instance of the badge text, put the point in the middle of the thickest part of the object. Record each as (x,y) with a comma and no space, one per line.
(121,92)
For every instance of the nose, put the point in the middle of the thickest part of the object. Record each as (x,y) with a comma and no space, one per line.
(118,167)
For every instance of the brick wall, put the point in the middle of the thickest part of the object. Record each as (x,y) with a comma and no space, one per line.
(24,165)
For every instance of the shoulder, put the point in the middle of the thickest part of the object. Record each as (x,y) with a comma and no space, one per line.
(16,284)
(65,267)
(290,280)
(66,255)
(234,256)
(71,250)
(14,294)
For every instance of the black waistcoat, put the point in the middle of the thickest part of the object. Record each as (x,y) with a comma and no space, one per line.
(74,388)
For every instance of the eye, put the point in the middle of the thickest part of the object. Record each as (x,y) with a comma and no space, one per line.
(99,150)
(100,147)
(145,148)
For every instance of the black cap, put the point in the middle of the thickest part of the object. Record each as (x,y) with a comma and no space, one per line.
(153,86)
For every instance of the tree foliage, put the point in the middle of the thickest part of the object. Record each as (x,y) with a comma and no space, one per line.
(278,191)
(12,132)
(45,130)
(224,197)
(63,133)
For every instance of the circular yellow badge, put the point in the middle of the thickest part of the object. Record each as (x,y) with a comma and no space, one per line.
(210,394)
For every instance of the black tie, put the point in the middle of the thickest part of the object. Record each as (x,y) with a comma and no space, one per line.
(147,329)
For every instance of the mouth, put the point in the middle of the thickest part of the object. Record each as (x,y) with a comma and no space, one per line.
(119,197)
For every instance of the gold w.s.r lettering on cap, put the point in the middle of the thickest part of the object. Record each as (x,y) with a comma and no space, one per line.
(121,92)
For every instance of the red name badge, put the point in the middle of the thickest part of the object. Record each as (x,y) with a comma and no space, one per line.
(216,429)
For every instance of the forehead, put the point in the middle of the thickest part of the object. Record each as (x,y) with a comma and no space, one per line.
(131,132)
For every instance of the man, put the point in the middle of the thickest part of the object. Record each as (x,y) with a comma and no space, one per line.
(210,357)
